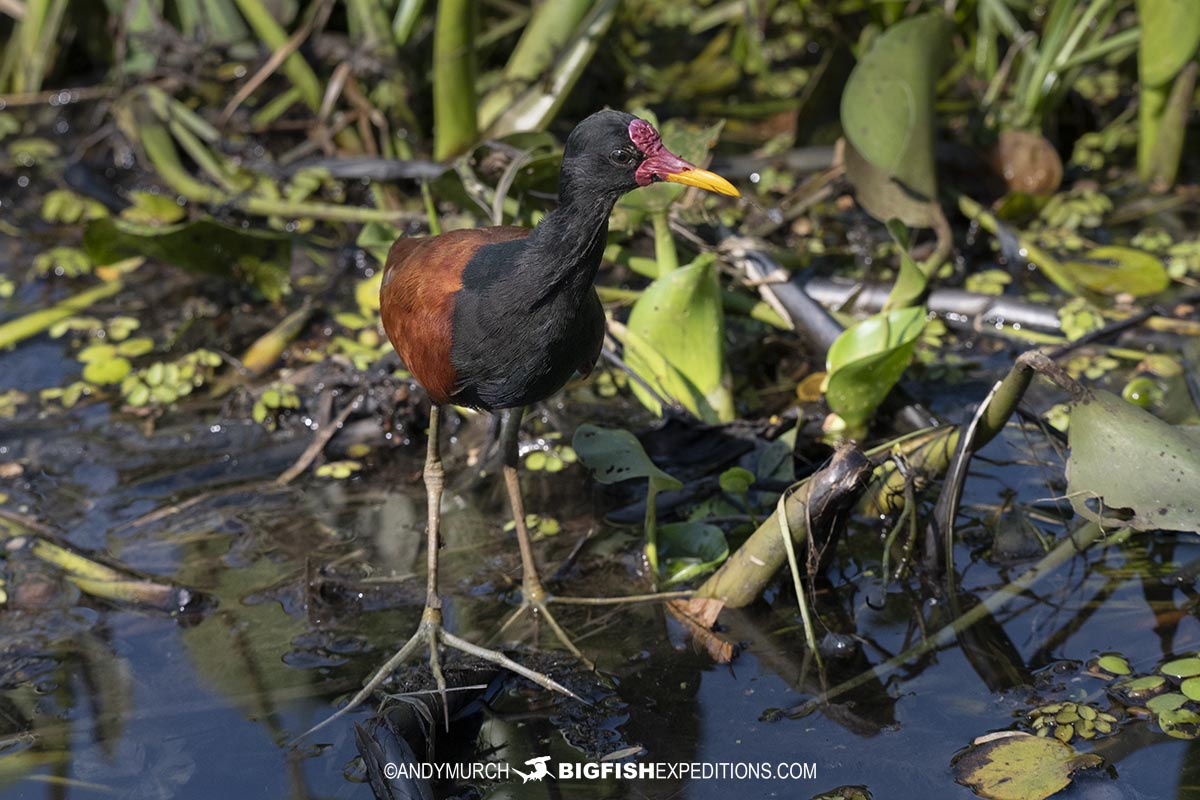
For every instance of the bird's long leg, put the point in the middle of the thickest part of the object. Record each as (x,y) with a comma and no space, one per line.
(534,595)
(430,631)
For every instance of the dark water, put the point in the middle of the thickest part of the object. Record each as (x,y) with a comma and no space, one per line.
(313,585)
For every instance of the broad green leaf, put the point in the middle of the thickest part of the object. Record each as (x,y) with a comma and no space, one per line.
(1170,37)
(689,549)
(615,455)
(1119,270)
(1021,767)
(1128,467)
(680,317)
(867,360)
(257,257)
(887,106)
(882,197)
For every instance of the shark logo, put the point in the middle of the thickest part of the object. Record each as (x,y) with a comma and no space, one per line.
(538,772)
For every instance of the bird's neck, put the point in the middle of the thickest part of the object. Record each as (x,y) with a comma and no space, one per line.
(566,247)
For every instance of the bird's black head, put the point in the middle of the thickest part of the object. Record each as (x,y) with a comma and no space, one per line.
(612,152)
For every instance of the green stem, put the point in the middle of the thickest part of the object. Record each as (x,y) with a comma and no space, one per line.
(651,522)
(160,149)
(455,127)
(275,37)
(664,243)
(17,330)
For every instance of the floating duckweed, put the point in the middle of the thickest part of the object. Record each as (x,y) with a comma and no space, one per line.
(1066,720)
(539,526)
(108,371)
(66,396)
(119,328)
(358,450)
(1079,208)
(162,383)
(9,401)
(1079,317)
(64,206)
(535,460)
(989,281)
(67,262)
(339,470)
(275,399)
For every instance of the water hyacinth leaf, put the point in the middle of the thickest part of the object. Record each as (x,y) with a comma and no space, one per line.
(682,318)
(260,258)
(1155,488)
(882,197)
(1170,37)
(887,106)
(615,455)
(1021,767)
(865,362)
(910,283)
(661,375)
(1119,270)
(689,549)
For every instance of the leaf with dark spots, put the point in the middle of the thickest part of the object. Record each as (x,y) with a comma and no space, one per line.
(1148,491)
(615,455)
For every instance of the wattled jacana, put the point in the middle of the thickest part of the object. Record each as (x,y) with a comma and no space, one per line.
(498,318)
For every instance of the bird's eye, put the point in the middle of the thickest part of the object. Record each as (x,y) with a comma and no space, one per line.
(622,157)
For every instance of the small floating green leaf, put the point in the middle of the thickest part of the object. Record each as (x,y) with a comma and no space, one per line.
(1181,668)
(1191,688)
(1114,665)
(1166,702)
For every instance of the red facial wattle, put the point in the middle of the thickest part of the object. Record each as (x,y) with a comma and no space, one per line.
(660,163)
